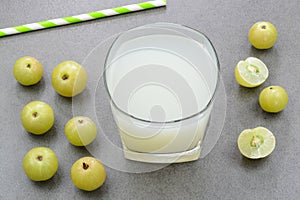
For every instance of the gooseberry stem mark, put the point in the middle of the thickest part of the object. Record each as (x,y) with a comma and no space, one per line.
(35,114)
(28,66)
(39,157)
(85,166)
(65,77)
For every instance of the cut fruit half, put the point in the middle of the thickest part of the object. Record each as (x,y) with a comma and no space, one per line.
(251,72)
(256,143)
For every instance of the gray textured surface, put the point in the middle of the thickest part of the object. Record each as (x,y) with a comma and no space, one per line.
(224,173)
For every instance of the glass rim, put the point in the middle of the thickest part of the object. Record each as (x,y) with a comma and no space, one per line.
(169,121)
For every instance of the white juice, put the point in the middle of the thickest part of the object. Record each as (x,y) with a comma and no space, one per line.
(157,79)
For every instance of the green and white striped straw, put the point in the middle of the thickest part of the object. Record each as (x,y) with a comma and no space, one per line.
(81,18)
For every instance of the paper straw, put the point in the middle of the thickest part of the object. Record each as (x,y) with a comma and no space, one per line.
(83,17)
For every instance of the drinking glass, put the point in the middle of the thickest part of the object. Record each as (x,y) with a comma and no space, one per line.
(161,79)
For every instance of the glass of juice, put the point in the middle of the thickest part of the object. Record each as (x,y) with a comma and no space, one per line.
(161,79)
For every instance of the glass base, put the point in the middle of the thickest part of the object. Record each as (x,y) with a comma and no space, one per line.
(187,156)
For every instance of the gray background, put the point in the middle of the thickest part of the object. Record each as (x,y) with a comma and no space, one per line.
(224,173)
